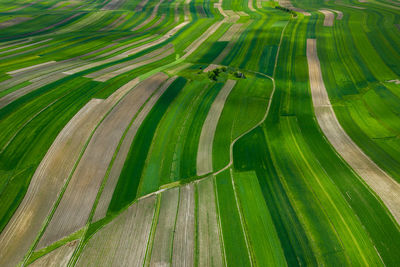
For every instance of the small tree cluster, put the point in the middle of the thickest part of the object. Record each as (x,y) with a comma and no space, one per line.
(213,74)
(286,10)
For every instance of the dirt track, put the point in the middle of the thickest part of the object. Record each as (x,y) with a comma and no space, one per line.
(380,182)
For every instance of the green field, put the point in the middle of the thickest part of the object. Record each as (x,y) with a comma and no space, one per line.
(286,184)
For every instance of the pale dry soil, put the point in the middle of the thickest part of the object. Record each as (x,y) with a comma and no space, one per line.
(74,209)
(380,182)
(163,239)
(49,178)
(204,152)
(209,241)
(120,158)
(122,242)
(58,257)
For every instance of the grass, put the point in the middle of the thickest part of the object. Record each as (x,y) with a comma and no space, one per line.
(125,191)
(288,198)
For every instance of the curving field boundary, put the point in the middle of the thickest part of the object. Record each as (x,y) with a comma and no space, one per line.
(74,208)
(381,183)
(50,176)
(204,153)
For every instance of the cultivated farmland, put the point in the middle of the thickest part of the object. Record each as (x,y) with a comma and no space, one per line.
(199,133)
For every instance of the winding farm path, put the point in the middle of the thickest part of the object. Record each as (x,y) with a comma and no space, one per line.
(380,182)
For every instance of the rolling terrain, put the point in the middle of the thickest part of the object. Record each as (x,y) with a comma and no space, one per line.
(199,133)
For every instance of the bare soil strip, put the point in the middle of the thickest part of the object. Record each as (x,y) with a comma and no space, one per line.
(113,5)
(115,73)
(58,257)
(24,52)
(14,43)
(209,246)
(7,99)
(242,13)
(352,6)
(140,6)
(119,161)
(381,183)
(13,22)
(121,19)
(186,10)
(397,81)
(231,32)
(289,5)
(211,67)
(22,7)
(53,25)
(25,46)
(158,22)
(30,67)
(176,11)
(45,185)
(74,209)
(259,4)
(83,23)
(50,177)
(184,238)
(39,73)
(329,17)
(115,50)
(231,43)
(251,7)
(122,242)
(130,52)
(204,152)
(128,63)
(210,31)
(232,16)
(163,239)
(339,14)
(150,18)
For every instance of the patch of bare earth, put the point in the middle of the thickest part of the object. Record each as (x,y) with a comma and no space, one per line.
(129,52)
(58,257)
(381,183)
(77,202)
(204,152)
(120,158)
(209,242)
(329,17)
(163,239)
(50,177)
(150,18)
(184,238)
(13,22)
(46,184)
(123,241)
(289,5)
